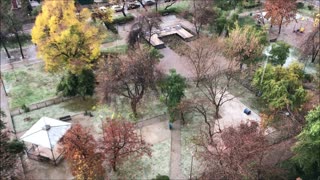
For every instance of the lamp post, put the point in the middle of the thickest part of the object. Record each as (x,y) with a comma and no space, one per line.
(193,154)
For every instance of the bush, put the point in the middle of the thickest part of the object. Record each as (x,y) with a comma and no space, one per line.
(300,5)
(36,11)
(171,10)
(25,108)
(310,7)
(308,77)
(111,27)
(16,146)
(123,19)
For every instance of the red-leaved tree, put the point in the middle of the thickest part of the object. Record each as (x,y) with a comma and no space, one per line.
(80,150)
(237,153)
(120,141)
(280,11)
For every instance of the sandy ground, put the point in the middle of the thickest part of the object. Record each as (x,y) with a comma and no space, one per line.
(156,133)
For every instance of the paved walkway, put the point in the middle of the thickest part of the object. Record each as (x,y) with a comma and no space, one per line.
(175,157)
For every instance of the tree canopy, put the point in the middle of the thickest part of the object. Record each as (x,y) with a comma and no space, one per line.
(281,87)
(307,148)
(245,44)
(173,88)
(65,38)
(279,53)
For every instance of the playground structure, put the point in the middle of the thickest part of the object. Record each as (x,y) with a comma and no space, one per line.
(155,40)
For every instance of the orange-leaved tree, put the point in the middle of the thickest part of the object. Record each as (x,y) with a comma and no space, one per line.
(280,11)
(80,150)
(65,38)
(120,142)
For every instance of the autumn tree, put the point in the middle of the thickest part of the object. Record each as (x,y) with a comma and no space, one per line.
(80,150)
(172,88)
(202,14)
(215,87)
(65,38)
(131,75)
(236,153)
(245,45)
(307,149)
(202,56)
(279,53)
(281,87)
(121,142)
(280,11)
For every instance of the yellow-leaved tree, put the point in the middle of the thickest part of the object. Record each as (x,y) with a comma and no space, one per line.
(65,37)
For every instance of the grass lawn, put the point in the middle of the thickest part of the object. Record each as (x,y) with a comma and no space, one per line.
(307,12)
(29,85)
(178,7)
(149,107)
(111,37)
(148,168)
(71,107)
(121,49)
(246,20)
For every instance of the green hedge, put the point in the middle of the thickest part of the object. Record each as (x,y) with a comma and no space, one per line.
(171,10)
(123,19)
(300,5)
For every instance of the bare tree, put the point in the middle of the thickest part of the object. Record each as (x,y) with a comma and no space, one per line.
(144,27)
(130,76)
(311,46)
(202,56)
(202,14)
(215,87)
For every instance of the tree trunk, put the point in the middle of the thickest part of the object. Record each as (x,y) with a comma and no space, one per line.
(314,56)
(5,48)
(156,5)
(280,25)
(134,107)
(217,112)
(19,42)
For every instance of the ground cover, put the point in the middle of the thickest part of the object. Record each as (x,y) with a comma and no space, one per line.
(29,85)
(72,107)
(246,20)
(148,168)
(121,49)
(306,11)
(11,42)
(150,106)
(175,43)
(176,8)
(111,37)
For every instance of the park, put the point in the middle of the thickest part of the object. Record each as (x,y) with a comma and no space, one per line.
(160,89)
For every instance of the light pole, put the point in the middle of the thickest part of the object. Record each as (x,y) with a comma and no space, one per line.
(193,154)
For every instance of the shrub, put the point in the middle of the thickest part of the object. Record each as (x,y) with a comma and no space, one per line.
(310,7)
(123,19)
(25,108)
(300,5)
(171,10)
(36,11)
(111,27)
(16,146)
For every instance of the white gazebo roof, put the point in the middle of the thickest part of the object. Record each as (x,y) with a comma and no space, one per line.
(46,132)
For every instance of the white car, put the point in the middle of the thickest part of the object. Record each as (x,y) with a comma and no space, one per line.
(117,8)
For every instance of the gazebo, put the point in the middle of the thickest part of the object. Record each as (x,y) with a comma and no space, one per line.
(44,135)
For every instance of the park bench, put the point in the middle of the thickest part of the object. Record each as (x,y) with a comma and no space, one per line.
(65,118)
